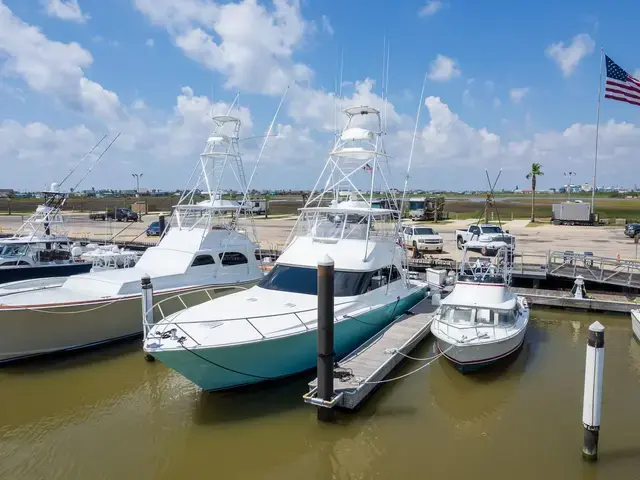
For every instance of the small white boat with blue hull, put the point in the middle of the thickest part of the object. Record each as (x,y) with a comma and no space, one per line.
(481,322)
(270,330)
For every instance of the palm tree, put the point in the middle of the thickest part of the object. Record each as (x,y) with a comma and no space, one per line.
(536,170)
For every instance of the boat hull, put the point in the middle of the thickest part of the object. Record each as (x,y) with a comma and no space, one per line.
(224,367)
(17,274)
(28,332)
(469,358)
(635,323)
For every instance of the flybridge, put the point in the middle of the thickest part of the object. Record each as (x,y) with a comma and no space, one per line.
(355,169)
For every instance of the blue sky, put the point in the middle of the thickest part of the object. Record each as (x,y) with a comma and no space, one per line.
(509,83)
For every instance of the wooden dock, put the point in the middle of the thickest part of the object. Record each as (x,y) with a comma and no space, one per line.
(359,371)
(597,302)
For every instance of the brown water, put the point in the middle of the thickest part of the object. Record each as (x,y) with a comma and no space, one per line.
(110,415)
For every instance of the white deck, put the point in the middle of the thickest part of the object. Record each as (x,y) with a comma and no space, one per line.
(266,314)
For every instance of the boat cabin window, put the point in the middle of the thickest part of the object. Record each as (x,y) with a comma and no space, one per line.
(457,315)
(232,258)
(477,316)
(11,263)
(201,260)
(13,250)
(484,317)
(506,318)
(346,284)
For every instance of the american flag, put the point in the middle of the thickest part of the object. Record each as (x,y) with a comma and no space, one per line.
(620,85)
(367,167)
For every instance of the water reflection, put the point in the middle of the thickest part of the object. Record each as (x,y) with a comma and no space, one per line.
(474,396)
(110,414)
(251,402)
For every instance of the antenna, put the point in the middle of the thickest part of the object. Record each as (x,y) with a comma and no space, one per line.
(384,64)
(413,142)
(81,161)
(96,161)
(264,144)
(341,70)
(386,87)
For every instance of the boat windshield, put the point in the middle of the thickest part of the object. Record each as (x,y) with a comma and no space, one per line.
(12,250)
(477,316)
(335,225)
(346,284)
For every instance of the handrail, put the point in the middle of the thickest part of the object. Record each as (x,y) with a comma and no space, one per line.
(148,326)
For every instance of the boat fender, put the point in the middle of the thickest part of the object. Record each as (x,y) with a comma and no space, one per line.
(484,251)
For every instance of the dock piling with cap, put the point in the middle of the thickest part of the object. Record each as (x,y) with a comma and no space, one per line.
(147,310)
(591,405)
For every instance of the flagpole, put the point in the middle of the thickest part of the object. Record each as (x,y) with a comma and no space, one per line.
(595,160)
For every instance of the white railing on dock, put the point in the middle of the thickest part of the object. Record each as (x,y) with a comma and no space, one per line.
(594,268)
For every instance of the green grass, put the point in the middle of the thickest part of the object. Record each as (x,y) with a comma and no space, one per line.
(458,206)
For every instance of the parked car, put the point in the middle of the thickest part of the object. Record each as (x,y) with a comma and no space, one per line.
(422,238)
(153,230)
(632,229)
(486,239)
(119,215)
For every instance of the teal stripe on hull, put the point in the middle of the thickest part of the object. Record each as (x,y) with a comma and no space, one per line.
(236,365)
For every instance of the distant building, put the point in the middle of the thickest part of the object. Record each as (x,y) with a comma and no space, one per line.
(7,192)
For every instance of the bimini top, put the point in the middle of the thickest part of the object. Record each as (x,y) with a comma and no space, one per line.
(360,110)
(219,204)
(225,118)
(355,204)
(464,301)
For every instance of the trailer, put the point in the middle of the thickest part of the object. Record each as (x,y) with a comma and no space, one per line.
(427,208)
(573,213)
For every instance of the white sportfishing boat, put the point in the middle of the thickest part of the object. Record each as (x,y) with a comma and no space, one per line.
(269,331)
(202,255)
(481,322)
(39,249)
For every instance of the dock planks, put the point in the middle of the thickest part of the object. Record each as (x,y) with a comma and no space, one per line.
(371,362)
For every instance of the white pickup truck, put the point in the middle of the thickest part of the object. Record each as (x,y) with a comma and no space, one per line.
(422,238)
(486,239)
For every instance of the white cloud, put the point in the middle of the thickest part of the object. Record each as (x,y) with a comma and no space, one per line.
(139,104)
(443,69)
(570,56)
(250,45)
(52,67)
(518,94)
(37,147)
(150,42)
(65,10)
(315,108)
(431,8)
(636,73)
(447,137)
(496,102)
(326,25)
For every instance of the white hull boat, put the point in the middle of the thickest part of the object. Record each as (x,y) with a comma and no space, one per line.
(635,323)
(200,257)
(270,331)
(480,322)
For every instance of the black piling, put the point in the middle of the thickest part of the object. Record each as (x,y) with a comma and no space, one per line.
(162,224)
(326,354)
